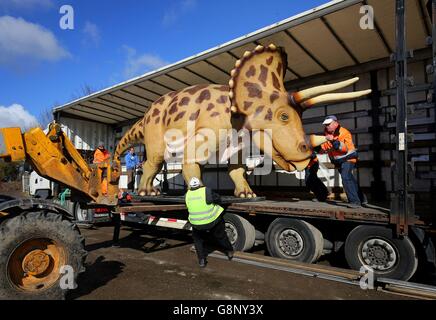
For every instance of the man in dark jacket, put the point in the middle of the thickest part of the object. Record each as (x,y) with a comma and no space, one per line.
(313,182)
(206,218)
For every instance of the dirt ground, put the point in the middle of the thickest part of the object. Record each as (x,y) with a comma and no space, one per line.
(158,264)
(13,189)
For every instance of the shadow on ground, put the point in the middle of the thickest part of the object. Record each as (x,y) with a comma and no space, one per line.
(146,239)
(98,274)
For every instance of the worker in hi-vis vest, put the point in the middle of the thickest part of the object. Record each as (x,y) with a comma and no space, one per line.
(206,218)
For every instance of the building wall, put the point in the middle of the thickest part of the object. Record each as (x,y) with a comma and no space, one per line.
(85,135)
(421,122)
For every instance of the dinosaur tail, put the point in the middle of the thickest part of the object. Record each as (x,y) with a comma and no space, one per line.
(134,135)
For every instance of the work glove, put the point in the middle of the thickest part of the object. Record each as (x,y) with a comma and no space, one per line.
(336,144)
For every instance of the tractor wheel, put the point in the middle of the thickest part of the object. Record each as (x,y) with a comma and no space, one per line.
(41,255)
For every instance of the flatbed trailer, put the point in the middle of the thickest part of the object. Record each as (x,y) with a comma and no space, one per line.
(391,242)
(303,230)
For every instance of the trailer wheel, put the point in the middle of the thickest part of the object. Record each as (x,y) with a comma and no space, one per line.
(375,247)
(34,247)
(294,239)
(80,215)
(240,232)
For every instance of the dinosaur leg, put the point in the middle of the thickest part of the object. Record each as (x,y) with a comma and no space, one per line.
(204,150)
(150,170)
(191,170)
(237,174)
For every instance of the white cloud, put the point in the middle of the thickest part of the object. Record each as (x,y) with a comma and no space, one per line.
(92,33)
(23,43)
(25,4)
(174,12)
(139,64)
(16,116)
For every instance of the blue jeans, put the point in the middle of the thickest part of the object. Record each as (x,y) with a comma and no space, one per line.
(352,189)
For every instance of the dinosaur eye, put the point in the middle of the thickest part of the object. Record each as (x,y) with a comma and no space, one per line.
(284,117)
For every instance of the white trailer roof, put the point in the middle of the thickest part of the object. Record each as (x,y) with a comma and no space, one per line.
(319,40)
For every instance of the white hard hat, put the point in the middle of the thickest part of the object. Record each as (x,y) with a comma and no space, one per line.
(194,182)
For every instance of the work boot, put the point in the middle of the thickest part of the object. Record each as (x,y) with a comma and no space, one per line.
(354,205)
(202,263)
(229,255)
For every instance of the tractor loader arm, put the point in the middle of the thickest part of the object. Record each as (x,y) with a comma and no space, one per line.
(53,156)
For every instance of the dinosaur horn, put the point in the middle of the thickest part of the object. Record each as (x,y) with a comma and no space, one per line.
(334,97)
(305,94)
(316,141)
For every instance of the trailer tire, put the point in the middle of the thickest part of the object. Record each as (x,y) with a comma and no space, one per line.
(69,205)
(34,247)
(377,248)
(240,232)
(294,239)
(80,215)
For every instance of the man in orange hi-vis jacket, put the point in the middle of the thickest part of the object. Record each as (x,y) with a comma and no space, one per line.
(101,155)
(343,154)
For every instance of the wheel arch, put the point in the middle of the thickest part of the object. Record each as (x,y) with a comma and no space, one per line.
(15,207)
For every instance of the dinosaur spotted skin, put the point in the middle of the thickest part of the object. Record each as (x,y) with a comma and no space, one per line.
(207,106)
(255,99)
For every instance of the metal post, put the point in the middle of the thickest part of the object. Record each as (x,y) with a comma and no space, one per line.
(378,186)
(165,185)
(400,208)
(433,35)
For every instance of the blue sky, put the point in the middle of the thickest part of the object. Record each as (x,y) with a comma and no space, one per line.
(113,40)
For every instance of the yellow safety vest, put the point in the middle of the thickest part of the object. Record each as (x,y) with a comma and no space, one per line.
(201,213)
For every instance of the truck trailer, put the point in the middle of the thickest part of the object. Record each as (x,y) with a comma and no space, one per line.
(394,241)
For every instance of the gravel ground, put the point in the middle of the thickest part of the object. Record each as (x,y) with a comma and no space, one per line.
(158,264)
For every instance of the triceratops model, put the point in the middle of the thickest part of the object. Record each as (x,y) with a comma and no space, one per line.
(255,100)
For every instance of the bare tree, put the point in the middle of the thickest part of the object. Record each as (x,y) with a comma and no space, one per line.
(46,116)
(83,91)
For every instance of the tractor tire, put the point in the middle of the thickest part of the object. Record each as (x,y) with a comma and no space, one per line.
(294,239)
(376,247)
(240,232)
(35,247)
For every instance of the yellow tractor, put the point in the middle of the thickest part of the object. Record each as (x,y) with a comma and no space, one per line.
(41,249)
